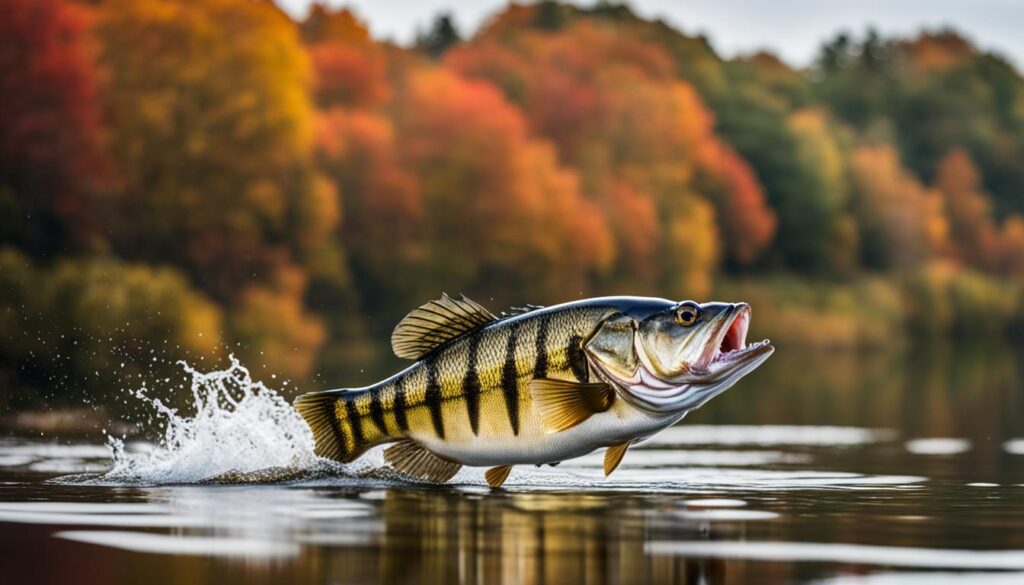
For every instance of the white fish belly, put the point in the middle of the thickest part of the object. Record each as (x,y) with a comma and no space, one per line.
(535,446)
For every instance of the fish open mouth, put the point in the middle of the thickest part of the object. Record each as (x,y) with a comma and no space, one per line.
(733,343)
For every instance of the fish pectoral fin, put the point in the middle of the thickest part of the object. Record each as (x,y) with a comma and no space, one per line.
(563,405)
(435,323)
(613,456)
(497,475)
(414,460)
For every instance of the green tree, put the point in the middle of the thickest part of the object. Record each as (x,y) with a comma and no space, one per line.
(83,329)
(442,36)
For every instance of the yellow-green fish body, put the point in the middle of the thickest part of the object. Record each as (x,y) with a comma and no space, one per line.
(535,387)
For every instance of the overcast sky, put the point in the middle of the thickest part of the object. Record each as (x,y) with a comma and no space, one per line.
(791,28)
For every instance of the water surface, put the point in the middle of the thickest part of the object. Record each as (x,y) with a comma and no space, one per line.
(819,468)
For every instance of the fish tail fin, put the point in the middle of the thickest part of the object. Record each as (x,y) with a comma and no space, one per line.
(335,430)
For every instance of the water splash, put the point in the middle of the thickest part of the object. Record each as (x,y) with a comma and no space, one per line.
(240,427)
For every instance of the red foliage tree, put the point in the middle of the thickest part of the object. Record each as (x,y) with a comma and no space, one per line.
(50,158)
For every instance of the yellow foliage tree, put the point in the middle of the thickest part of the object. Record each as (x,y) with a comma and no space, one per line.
(273,329)
(213,137)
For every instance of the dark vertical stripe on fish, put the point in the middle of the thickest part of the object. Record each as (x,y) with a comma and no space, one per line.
(338,432)
(377,413)
(354,421)
(399,407)
(577,358)
(509,382)
(432,398)
(540,364)
(471,385)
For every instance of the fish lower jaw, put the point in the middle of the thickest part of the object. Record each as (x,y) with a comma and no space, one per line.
(734,354)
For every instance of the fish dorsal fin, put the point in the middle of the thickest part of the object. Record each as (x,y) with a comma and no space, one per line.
(414,460)
(563,405)
(436,322)
(497,475)
(613,456)
(516,311)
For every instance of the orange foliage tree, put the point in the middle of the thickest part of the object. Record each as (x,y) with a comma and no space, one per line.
(901,221)
(382,204)
(494,197)
(349,67)
(972,232)
(612,105)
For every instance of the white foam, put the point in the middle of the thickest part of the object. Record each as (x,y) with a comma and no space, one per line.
(715,503)
(926,578)
(893,556)
(15,460)
(769,435)
(85,507)
(694,479)
(727,515)
(692,457)
(183,545)
(33,449)
(938,446)
(1014,446)
(239,425)
(113,520)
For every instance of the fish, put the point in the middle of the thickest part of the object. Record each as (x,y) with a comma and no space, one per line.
(535,385)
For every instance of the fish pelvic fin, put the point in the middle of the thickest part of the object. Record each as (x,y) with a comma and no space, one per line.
(562,405)
(497,475)
(613,457)
(414,460)
(337,431)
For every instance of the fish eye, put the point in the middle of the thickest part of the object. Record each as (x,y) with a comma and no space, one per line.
(687,314)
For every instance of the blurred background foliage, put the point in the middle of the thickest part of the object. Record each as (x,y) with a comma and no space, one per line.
(210,176)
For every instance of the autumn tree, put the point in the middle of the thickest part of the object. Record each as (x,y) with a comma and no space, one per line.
(972,232)
(1011,247)
(273,329)
(215,139)
(936,92)
(214,136)
(82,328)
(51,165)
(494,198)
(814,218)
(349,68)
(384,211)
(901,222)
(615,110)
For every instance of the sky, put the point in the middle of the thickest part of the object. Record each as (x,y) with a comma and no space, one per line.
(792,29)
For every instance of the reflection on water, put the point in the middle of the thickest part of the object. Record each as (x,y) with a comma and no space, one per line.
(845,469)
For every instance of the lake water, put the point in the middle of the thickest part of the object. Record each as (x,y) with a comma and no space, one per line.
(851,468)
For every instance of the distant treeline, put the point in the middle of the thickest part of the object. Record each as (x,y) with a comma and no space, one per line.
(207,176)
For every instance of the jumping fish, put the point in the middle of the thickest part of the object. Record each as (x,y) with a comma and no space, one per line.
(535,385)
